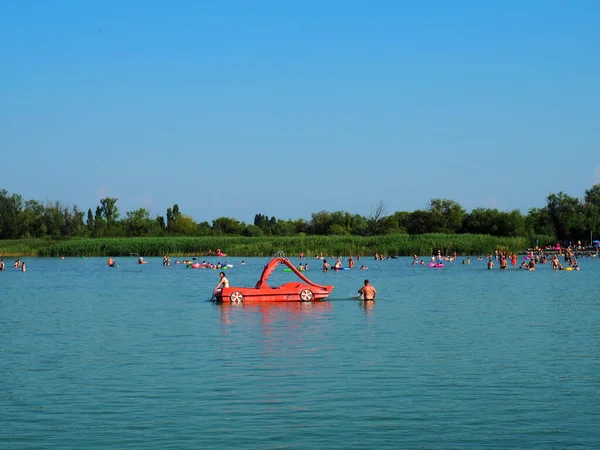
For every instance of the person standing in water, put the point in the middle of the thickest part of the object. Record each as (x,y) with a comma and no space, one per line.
(367,292)
(503,263)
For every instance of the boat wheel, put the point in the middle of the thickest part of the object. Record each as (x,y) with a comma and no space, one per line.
(236,297)
(306,295)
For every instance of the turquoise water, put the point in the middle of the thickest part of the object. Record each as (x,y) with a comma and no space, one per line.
(459,357)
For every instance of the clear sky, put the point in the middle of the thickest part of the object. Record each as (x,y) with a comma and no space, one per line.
(284,108)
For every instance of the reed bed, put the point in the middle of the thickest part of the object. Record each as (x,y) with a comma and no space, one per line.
(24,247)
(389,245)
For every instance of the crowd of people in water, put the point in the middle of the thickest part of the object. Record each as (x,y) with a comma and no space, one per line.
(537,256)
(338,265)
(18,264)
(531,258)
(569,255)
(559,258)
(166,261)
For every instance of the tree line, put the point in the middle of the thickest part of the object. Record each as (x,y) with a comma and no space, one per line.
(563,218)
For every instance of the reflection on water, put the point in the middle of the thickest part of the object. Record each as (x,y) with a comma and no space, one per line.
(368,305)
(271,308)
(270,312)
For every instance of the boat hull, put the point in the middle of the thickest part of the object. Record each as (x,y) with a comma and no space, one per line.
(289,292)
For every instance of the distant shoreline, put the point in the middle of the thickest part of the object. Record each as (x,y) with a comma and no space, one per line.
(388,245)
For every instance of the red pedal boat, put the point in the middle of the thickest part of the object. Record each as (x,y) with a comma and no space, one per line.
(305,291)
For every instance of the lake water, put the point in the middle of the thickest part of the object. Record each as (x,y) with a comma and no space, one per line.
(460,357)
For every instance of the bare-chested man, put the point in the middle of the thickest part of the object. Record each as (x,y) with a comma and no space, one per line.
(503,263)
(368,292)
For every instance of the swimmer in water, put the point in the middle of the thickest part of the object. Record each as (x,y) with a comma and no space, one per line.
(367,292)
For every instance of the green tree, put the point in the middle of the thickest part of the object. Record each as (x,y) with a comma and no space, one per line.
(139,223)
(592,195)
(494,222)
(567,216)
(11,220)
(110,212)
(399,221)
(33,213)
(160,221)
(419,222)
(320,222)
(511,224)
(446,216)
(538,222)
(252,230)
(203,229)
(172,215)
(301,227)
(592,212)
(284,228)
(227,225)
(90,221)
(359,225)
(74,222)
(183,225)
(481,221)
(99,223)
(338,230)
(262,221)
(54,220)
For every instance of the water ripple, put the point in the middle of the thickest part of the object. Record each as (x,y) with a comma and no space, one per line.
(92,357)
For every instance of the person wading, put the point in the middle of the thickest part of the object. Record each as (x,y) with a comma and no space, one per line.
(367,292)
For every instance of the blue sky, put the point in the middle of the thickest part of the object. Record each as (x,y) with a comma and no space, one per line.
(285,108)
